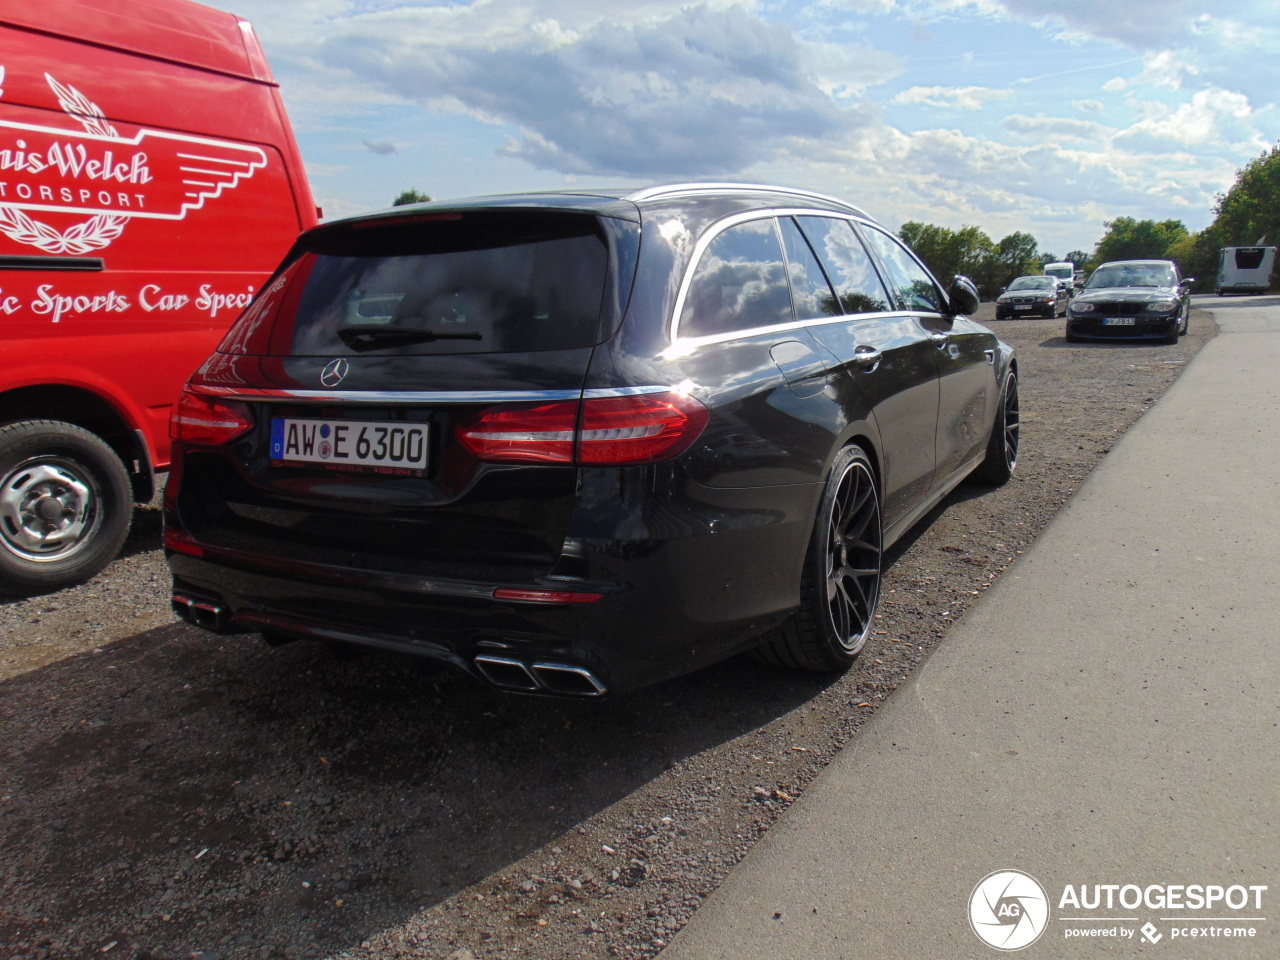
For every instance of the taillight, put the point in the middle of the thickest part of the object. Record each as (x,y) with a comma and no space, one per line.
(641,429)
(202,419)
(646,428)
(541,434)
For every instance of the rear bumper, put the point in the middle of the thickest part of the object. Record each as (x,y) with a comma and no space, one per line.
(702,587)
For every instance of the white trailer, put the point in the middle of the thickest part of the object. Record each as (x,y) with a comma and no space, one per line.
(1245,269)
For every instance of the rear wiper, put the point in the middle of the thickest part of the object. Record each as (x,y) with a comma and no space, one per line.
(373,336)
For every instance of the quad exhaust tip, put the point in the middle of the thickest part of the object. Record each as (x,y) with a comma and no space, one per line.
(539,677)
(206,614)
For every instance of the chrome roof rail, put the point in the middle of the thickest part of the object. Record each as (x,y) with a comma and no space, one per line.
(691,189)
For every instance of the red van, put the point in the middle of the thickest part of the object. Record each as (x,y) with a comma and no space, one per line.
(149,184)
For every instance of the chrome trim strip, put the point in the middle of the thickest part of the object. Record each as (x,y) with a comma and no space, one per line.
(265,395)
(682,346)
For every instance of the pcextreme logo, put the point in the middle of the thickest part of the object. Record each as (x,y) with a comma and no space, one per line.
(98,174)
(1009,910)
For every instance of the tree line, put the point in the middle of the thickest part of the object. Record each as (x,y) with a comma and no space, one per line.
(1247,214)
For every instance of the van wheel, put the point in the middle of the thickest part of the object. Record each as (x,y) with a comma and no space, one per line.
(65,505)
(840,584)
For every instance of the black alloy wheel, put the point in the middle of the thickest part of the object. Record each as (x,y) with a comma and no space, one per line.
(840,585)
(1002,446)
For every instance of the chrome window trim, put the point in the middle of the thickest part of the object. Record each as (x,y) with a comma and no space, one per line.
(679,344)
(686,345)
(357,397)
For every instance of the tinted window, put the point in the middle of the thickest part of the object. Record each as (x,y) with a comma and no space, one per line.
(1250,259)
(810,290)
(847,264)
(740,283)
(453,284)
(913,288)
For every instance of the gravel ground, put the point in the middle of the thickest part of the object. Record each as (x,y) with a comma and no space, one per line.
(169,794)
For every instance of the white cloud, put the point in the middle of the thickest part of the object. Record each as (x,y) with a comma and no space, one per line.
(1210,118)
(702,92)
(959,98)
(1057,128)
(844,70)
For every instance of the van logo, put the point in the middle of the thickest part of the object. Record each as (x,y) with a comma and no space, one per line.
(333,373)
(105,176)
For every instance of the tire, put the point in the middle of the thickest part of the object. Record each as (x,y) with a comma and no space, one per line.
(65,505)
(840,583)
(1002,446)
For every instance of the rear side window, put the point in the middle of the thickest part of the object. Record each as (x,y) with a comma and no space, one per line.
(810,290)
(847,264)
(453,283)
(739,284)
(912,287)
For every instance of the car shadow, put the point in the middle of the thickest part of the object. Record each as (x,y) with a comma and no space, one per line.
(280,785)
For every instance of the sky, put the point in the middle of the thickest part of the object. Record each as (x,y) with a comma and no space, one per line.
(1010,115)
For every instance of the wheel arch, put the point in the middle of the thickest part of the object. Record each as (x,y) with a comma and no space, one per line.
(89,410)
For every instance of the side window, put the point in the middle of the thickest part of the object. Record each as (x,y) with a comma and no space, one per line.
(847,264)
(913,288)
(810,290)
(740,283)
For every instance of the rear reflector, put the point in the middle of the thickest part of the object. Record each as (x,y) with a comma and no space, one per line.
(646,428)
(180,542)
(201,419)
(545,596)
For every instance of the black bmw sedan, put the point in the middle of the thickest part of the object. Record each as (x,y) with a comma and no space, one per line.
(573,443)
(1033,296)
(1132,299)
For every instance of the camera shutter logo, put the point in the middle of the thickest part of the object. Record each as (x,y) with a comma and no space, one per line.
(334,372)
(1009,910)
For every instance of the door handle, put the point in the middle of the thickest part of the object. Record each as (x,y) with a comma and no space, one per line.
(990,355)
(940,339)
(868,357)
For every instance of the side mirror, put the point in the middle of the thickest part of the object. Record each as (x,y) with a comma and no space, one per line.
(963,295)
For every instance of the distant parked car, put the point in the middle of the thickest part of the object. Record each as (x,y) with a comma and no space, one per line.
(1132,299)
(1034,296)
(572,443)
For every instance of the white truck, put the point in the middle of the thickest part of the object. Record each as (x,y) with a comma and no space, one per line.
(1245,269)
(1065,271)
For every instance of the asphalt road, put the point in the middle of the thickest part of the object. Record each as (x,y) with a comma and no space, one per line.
(1107,715)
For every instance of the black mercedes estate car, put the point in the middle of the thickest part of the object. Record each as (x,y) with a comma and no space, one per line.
(573,443)
(1132,299)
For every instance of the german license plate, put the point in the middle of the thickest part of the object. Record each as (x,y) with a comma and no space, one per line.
(1118,322)
(1022,306)
(366,445)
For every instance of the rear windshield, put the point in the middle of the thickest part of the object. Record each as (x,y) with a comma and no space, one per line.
(451,283)
(1249,259)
